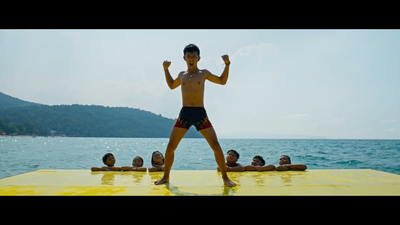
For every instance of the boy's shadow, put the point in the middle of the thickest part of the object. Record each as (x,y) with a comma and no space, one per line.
(175,190)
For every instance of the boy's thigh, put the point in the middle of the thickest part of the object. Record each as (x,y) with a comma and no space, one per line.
(177,134)
(210,135)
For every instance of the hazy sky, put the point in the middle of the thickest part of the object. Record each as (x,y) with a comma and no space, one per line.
(282,83)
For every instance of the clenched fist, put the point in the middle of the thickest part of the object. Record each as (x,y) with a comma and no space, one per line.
(226,59)
(166,64)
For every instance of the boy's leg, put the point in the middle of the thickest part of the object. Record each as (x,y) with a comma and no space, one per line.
(211,137)
(176,136)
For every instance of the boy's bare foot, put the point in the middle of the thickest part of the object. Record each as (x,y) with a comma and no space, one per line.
(229,183)
(162,180)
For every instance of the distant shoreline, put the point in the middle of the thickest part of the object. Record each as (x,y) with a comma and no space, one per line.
(31,136)
(359,139)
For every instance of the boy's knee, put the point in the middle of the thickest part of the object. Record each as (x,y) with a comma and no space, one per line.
(215,146)
(172,146)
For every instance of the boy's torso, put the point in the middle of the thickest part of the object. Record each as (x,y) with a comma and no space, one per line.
(192,87)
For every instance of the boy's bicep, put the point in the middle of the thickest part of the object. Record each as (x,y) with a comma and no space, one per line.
(176,82)
(213,78)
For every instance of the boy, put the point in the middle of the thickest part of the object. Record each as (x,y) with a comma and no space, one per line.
(285,164)
(231,159)
(193,113)
(109,161)
(258,164)
(137,165)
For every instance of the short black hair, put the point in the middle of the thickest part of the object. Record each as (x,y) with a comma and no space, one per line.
(191,48)
(237,154)
(260,158)
(288,159)
(141,159)
(152,163)
(106,156)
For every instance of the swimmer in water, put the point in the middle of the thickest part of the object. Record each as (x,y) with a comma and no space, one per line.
(157,162)
(231,162)
(137,165)
(258,164)
(285,164)
(109,161)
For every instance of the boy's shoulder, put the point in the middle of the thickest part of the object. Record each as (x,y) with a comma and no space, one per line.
(204,70)
(200,70)
(181,73)
(237,165)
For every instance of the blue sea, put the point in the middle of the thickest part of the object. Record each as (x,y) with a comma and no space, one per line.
(23,154)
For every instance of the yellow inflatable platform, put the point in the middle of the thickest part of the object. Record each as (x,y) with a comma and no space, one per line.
(203,182)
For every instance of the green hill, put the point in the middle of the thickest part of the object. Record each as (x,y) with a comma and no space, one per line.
(85,121)
(7,101)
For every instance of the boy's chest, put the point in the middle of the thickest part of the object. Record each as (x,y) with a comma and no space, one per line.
(192,80)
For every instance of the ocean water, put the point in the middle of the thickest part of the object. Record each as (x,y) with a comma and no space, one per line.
(23,154)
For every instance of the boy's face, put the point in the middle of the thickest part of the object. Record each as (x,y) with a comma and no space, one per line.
(110,160)
(157,157)
(231,157)
(256,162)
(137,162)
(283,160)
(191,59)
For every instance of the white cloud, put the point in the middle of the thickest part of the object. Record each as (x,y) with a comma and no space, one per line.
(251,49)
(211,61)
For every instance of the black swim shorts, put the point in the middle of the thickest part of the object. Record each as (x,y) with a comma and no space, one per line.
(195,116)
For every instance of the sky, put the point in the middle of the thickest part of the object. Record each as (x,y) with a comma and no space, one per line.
(336,84)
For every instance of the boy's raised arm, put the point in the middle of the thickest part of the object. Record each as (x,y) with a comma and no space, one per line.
(172,84)
(224,76)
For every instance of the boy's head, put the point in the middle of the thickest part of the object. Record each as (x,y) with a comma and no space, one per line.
(137,161)
(258,161)
(191,48)
(232,156)
(109,159)
(191,54)
(284,159)
(157,158)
